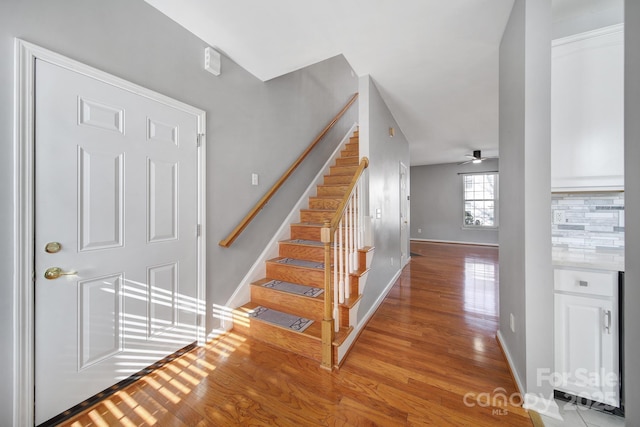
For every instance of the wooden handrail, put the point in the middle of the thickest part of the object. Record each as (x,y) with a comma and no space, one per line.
(227,241)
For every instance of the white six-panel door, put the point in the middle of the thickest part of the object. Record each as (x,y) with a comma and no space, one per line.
(404,214)
(116,186)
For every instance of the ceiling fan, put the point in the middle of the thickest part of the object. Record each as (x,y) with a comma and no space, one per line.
(476,157)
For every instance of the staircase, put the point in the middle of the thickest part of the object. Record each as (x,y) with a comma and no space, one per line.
(294,282)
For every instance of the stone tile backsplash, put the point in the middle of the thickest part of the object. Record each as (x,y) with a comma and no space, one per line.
(587,220)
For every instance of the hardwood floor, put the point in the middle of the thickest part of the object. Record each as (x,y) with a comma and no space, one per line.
(427,357)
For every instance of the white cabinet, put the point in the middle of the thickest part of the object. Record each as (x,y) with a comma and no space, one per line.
(586,335)
(587,111)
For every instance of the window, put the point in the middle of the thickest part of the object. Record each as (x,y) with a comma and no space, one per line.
(480,200)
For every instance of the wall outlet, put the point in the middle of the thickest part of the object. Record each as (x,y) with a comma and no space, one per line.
(254,179)
(392,261)
(419,230)
(559,217)
(512,322)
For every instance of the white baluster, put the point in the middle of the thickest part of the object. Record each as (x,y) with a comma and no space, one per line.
(356,263)
(349,232)
(341,262)
(336,312)
(362,196)
(361,213)
(347,254)
(353,233)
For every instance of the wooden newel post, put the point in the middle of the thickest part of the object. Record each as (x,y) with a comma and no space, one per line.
(327,318)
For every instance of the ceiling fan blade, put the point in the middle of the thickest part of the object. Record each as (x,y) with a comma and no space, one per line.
(476,157)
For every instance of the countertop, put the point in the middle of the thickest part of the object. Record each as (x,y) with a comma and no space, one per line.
(609,259)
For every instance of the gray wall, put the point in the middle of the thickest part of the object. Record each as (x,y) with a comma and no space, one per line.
(252,126)
(385,155)
(512,257)
(632,195)
(526,286)
(437,205)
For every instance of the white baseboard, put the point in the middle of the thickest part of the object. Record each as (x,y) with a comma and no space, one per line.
(454,242)
(532,401)
(512,368)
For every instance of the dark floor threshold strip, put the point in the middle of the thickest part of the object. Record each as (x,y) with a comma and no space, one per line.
(71,412)
(587,403)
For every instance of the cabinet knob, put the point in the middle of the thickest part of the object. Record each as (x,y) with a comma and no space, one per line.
(583,283)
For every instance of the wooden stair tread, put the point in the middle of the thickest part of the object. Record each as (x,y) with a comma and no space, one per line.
(307,306)
(303,242)
(348,302)
(343,170)
(351,301)
(310,224)
(342,334)
(316,243)
(337,179)
(332,185)
(300,263)
(318,210)
(313,331)
(282,292)
(268,279)
(360,273)
(311,250)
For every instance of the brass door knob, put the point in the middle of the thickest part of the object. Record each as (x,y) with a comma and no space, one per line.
(55,272)
(52,247)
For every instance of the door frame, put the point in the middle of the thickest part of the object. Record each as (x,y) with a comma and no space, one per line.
(23,201)
(405,252)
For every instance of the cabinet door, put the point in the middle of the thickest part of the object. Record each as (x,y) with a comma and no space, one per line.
(586,356)
(587,111)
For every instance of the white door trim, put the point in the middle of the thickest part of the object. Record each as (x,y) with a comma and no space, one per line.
(23,202)
(405,253)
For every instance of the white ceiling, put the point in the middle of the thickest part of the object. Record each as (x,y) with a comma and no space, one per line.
(567,9)
(435,62)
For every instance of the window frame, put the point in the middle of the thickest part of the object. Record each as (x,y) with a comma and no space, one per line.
(496,215)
